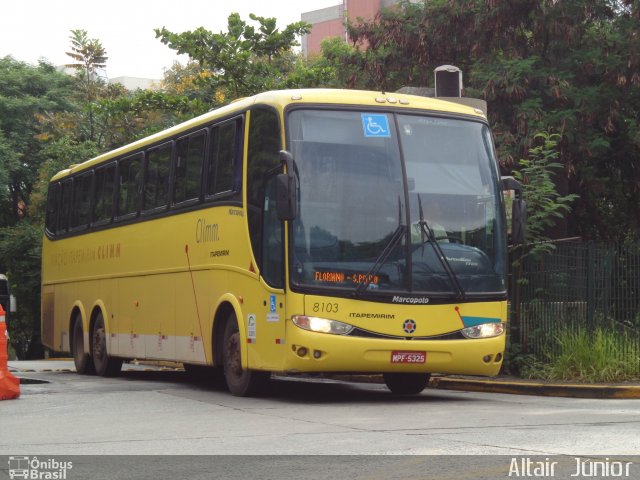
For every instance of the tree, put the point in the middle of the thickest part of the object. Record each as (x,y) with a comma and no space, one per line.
(25,91)
(190,81)
(242,61)
(89,56)
(130,116)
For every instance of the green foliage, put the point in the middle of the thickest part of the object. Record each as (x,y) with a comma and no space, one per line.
(89,56)
(127,117)
(517,362)
(9,162)
(545,206)
(25,92)
(243,60)
(599,356)
(187,81)
(339,59)
(20,255)
(88,53)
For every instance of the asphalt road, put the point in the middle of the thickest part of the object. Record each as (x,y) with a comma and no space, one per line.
(156,412)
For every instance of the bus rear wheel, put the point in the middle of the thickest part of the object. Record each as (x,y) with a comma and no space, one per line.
(406,383)
(241,382)
(105,365)
(82,360)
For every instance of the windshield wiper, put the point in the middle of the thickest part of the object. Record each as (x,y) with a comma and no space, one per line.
(425,229)
(382,258)
(396,237)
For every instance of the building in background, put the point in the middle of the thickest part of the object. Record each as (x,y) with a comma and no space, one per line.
(135,83)
(130,83)
(329,22)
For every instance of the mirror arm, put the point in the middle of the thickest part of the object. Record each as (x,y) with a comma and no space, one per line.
(287,160)
(510,183)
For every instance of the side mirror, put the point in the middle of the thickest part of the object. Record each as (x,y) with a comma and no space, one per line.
(518,221)
(287,189)
(518,210)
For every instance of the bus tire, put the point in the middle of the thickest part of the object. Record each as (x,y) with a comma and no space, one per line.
(105,365)
(240,382)
(81,359)
(406,383)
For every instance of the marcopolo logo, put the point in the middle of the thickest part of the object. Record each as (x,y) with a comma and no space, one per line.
(411,300)
(38,469)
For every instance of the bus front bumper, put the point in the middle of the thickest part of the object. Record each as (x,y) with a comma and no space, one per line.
(318,352)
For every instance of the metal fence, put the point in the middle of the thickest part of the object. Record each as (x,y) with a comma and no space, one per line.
(577,285)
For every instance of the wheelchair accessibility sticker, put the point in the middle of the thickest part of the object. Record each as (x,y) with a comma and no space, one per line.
(375,125)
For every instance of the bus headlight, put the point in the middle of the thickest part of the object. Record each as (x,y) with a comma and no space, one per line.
(486,330)
(322,325)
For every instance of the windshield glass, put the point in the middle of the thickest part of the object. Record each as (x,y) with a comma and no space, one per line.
(359,218)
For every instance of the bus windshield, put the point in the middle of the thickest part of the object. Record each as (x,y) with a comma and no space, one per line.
(378,189)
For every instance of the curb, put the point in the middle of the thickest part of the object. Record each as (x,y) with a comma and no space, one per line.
(537,388)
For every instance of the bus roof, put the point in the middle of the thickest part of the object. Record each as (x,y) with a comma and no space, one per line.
(280,99)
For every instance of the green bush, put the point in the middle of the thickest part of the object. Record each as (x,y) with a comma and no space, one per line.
(601,356)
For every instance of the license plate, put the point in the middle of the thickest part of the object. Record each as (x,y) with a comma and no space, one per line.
(408,357)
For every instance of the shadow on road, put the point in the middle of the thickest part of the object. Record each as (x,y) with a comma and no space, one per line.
(298,389)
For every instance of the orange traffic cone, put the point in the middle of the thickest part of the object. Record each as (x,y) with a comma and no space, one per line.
(9,385)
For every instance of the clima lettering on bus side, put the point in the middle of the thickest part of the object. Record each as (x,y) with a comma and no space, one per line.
(206,232)
(107,251)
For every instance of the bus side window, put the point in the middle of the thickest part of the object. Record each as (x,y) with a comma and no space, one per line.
(129,171)
(188,167)
(156,181)
(53,206)
(65,206)
(81,203)
(103,194)
(224,165)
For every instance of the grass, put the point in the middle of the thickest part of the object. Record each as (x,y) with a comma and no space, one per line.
(601,356)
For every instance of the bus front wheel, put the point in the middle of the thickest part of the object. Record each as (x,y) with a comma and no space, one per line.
(105,365)
(406,383)
(82,361)
(241,382)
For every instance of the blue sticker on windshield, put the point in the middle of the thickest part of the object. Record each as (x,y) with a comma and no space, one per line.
(375,125)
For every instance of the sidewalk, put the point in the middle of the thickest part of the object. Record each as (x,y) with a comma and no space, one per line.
(516,386)
(506,385)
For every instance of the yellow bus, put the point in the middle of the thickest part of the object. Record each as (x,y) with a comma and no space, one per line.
(293,231)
